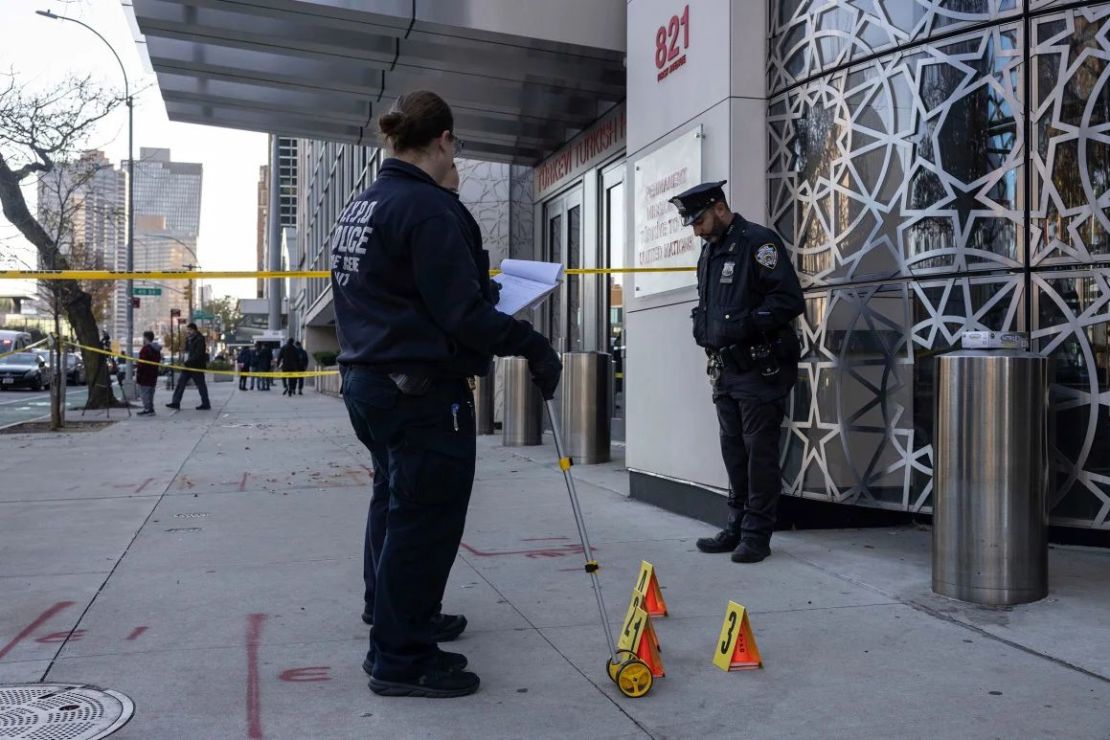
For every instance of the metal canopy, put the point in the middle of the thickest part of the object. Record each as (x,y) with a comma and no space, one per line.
(326,69)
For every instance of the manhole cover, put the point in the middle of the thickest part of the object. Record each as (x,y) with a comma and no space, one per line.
(59,711)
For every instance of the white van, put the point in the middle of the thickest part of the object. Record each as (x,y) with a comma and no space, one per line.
(13,341)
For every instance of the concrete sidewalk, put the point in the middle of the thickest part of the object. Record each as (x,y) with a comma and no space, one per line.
(208,565)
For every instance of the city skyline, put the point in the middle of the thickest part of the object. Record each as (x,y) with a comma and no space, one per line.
(226,238)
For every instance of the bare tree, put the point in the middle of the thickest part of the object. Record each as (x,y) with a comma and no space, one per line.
(37,131)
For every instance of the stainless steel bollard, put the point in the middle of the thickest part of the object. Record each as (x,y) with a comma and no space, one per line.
(522,425)
(991,477)
(483,403)
(587,400)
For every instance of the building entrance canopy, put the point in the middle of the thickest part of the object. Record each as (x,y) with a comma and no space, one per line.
(522,78)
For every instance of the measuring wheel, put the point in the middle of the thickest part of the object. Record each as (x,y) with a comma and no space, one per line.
(634,678)
(622,657)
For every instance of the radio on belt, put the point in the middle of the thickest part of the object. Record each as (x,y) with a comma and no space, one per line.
(995,340)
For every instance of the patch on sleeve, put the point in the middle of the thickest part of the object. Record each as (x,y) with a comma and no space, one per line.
(768,256)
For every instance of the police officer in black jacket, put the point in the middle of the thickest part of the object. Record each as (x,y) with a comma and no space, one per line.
(748,295)
(415,321)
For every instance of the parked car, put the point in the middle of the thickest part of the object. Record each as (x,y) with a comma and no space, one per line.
(23,370)
(75,366)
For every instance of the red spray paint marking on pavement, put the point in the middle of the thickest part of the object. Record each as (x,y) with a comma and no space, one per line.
(254,692)
(544,552)
(143,485)
(30,629)
(544,539)
(306,675)
(243,483)
(136,632)
(59,637)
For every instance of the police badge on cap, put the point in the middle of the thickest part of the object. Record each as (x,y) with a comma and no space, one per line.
(695,201)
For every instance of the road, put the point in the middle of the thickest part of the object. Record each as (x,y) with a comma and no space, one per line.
(23,405)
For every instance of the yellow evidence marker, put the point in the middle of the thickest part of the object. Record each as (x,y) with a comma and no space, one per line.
(638,637)
(736,649)
(647,583)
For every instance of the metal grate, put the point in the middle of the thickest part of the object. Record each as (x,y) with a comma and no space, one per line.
(54,711)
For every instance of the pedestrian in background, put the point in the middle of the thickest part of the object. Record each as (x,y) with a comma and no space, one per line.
(289,362)
(244,359)
(304,366)
(414,321)
(265,365)
(146,374)
(196,359)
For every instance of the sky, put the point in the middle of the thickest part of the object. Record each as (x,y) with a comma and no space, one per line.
(42,52)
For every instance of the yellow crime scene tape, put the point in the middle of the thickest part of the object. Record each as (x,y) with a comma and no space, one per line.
(262,274)
(24,349)
(275,374)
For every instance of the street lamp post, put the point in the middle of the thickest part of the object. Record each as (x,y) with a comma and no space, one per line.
(130,343)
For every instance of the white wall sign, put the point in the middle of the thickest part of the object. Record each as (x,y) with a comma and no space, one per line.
(660,238)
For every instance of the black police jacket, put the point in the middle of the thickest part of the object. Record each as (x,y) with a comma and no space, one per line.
(410,282)
(748,292)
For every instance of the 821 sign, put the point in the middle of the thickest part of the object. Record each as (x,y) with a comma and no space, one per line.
(669,56)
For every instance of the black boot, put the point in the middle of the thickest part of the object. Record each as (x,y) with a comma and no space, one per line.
(728,538)
(751,551)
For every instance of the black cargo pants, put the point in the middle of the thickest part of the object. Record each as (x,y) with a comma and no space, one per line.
(750,429)
(424,446)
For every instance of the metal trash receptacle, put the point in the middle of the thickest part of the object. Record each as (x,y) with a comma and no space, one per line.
(586,404)
(483,402)
(991,474)
(522,424)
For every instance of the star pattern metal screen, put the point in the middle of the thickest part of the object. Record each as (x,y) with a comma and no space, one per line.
(936,166)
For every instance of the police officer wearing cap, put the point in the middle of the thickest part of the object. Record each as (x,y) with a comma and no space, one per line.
(748,295)
(415,318)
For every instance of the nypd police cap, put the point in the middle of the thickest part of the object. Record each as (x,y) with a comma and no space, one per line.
(693,202)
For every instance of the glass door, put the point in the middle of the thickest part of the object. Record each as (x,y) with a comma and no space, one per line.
(564,315)
(612,298)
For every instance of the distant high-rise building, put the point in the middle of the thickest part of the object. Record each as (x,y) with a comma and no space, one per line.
(167,222)
(83,205)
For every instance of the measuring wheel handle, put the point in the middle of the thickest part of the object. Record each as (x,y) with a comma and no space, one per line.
(634,678)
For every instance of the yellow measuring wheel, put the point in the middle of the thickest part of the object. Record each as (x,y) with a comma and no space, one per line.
(631,675)
(614,663)
(634,678)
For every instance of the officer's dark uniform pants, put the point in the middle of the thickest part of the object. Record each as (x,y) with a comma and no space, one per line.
(197,376)
(750,432)
(429,469)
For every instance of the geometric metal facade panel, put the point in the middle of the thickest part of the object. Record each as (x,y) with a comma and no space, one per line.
(902,183)
(1070,132)
(809,37)
(906,165)
(861,413)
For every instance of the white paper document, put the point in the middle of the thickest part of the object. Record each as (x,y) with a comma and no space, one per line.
(525,283)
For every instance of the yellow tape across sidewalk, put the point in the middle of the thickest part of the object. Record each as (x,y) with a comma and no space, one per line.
(275,374)
(264,274)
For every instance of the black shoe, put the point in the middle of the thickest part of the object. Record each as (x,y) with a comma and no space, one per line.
(723,541)
(367,615)
(433,684)
(447,627)
(203,407)
(750,552)
(444,661)
(143,413)
(173,405)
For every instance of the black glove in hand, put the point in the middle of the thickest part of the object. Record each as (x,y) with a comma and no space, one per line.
(494,292)
(546,372)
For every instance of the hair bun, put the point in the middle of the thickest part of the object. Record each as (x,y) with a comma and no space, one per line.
(391,123)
